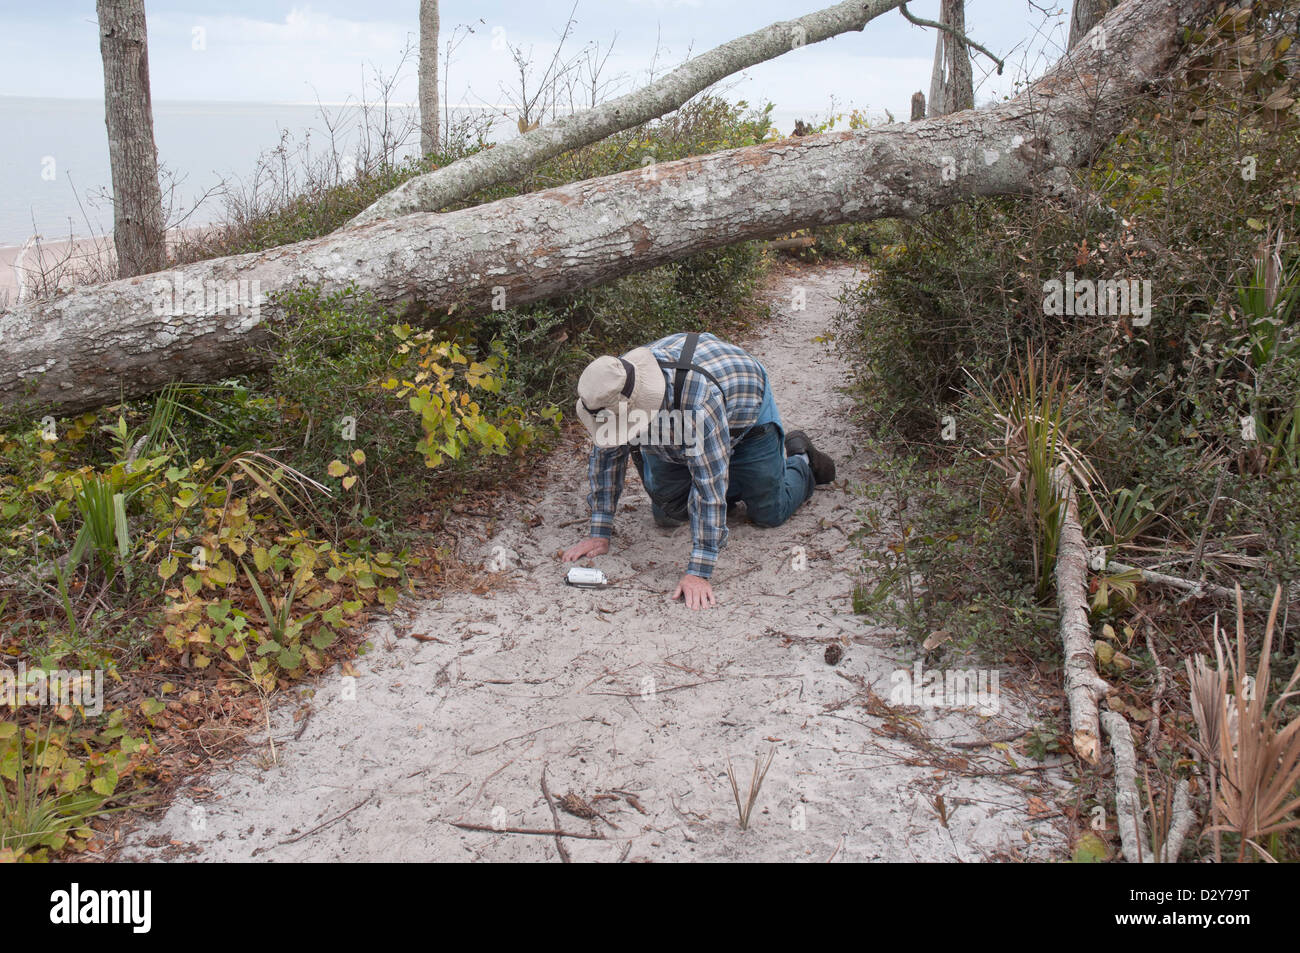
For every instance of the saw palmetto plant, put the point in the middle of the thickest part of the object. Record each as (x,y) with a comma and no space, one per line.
(36,814)
(1031,406)
(1254,751)
(1267,306)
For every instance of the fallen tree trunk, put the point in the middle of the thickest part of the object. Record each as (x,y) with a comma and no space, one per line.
(1084,688)
(127,338)
(509,160)
(1135,842)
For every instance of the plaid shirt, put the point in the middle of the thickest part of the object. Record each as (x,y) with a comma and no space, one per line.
(719,426)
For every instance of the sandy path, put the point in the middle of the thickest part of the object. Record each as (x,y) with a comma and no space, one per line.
(624,691)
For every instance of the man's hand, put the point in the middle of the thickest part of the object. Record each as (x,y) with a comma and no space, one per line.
(695,592)
(591,546)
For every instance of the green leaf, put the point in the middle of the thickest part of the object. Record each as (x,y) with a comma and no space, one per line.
(106,783)
(1090,849)
(119,525)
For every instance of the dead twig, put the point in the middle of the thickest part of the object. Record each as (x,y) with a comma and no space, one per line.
(303,726)
(989,742)
(332,820)
(961,37)
(1005,771)
(489,829)
(1209,515)
(1153,738)
(555,819)
(658,691)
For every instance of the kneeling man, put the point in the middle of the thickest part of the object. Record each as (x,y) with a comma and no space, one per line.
(698,418)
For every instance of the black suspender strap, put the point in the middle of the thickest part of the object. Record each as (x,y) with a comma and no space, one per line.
(683,365)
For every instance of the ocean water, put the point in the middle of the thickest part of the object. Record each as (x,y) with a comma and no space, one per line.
(54,171)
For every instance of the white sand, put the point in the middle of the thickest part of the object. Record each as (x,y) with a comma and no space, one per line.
(540,674)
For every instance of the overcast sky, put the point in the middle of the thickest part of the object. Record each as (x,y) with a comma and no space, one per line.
(275,51)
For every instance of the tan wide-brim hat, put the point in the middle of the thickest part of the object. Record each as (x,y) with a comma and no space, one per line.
(619,396)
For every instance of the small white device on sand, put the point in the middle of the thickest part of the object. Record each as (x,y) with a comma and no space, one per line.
(586,578)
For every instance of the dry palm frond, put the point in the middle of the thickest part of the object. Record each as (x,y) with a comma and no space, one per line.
(1259,755)
(1207,687)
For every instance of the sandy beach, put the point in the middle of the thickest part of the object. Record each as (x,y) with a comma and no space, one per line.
(30,268)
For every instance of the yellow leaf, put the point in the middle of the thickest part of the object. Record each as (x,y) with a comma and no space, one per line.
(358,457)
(348,481)
(337,468)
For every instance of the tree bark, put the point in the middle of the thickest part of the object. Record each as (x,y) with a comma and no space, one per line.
(516,157)
(1086,15)
(429,111)
(138,227)
(128,338)
(918,105)
(952,82)
(1134,840)
(1084,688)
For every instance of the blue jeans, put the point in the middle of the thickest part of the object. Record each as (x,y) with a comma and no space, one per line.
(771,486)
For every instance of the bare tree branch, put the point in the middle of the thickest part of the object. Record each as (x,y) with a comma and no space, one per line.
(516,157)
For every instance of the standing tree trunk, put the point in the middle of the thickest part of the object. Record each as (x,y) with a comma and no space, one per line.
(138,228)
(918,105)
(952,83)
(1086,15)
(429,77)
